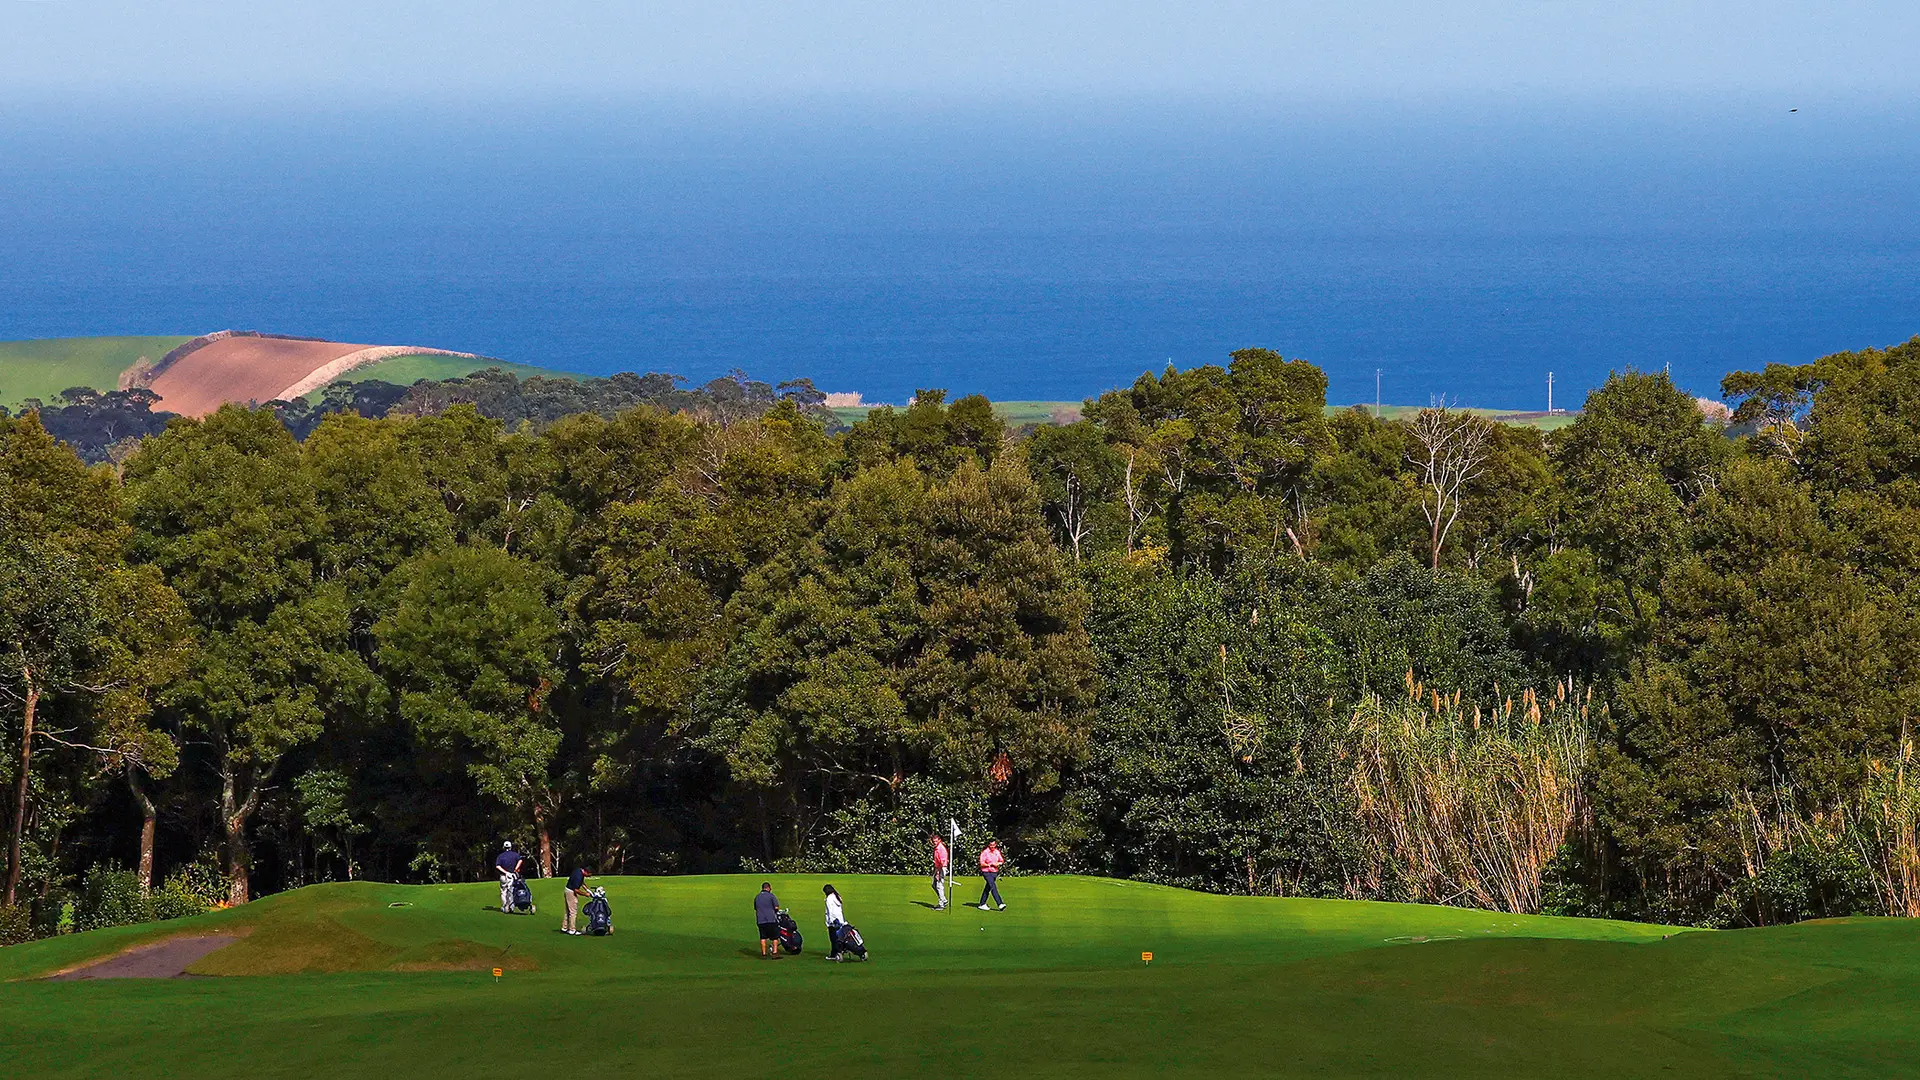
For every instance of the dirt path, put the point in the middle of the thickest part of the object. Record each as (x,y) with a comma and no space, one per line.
(163,960)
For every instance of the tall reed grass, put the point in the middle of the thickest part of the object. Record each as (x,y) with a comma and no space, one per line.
(1886,828)
(1465,805)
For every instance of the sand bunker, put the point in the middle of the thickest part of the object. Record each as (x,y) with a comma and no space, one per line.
(162,960)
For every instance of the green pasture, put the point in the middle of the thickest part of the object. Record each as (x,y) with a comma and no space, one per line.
(1541,420)
(334,980)
(1018,414)
(407,370)
(1014,414)
(44,367)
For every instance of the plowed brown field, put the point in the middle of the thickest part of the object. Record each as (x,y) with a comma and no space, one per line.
(242,369)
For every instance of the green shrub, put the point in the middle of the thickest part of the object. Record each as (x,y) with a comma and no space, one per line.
(193,889)
(886,833)
(1818,880)
(1569,886)
(16,925)
(110,897)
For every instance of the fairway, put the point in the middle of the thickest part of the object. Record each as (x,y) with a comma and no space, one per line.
(335,979)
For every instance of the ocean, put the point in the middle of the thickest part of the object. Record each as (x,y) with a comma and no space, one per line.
(1024,251)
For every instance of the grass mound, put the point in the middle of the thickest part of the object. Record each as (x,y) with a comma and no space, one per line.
(1053,985)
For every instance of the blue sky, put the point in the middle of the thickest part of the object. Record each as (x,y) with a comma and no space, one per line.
(396,50)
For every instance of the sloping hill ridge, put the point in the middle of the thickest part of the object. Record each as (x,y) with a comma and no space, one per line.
(209,371)
(194,375)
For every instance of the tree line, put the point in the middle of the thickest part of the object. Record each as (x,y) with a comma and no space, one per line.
(109,425)
(1211,634)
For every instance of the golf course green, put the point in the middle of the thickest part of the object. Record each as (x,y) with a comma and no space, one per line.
(365,980)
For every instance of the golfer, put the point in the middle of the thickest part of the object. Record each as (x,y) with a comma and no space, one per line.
(990,863)
(576,887)
(509,865)
(939,870)
(766,912)
(836,918)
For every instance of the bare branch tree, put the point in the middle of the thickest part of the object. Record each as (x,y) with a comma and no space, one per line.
(1134,491)
(1450,449)
(1072,511)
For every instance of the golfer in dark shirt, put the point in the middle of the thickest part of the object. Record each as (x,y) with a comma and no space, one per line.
(576,884)
(766,912)
(508,864)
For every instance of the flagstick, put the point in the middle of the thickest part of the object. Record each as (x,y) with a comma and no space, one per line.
(954,846)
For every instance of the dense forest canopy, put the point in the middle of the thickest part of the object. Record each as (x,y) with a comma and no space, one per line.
(1209,634)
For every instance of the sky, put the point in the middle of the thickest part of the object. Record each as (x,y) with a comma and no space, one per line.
(762,50)
(1062,190)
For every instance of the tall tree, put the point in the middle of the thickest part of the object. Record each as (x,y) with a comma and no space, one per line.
(60,539)
(224,509)
(472,642)
(1638,457)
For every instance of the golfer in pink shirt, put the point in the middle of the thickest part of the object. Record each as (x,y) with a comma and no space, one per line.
(939,869)
(990,863)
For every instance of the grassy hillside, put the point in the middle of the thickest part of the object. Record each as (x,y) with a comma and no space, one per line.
(407,370)
(369,980)
(45,367)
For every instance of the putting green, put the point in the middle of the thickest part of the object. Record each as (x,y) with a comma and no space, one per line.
(345,984)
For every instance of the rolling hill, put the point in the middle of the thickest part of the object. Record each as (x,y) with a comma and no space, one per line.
(195,375)
(44,367)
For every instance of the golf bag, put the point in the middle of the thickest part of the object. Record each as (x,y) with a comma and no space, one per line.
(599,914)
(847,936)
(789,933)
(522,896)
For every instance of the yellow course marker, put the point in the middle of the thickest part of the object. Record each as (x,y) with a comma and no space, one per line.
(496,973)
(1146,957)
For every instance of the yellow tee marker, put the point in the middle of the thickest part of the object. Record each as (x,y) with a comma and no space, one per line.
(496,973)
(1146,957)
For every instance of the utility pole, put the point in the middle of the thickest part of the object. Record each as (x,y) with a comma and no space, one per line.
(1376,393)
(1549,393)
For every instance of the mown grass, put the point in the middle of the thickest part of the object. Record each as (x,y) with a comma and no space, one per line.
(44,367)
(347,985)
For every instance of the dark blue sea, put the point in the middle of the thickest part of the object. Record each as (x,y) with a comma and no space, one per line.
(1022,251)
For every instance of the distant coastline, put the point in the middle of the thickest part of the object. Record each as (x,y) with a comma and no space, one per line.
(40,369)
